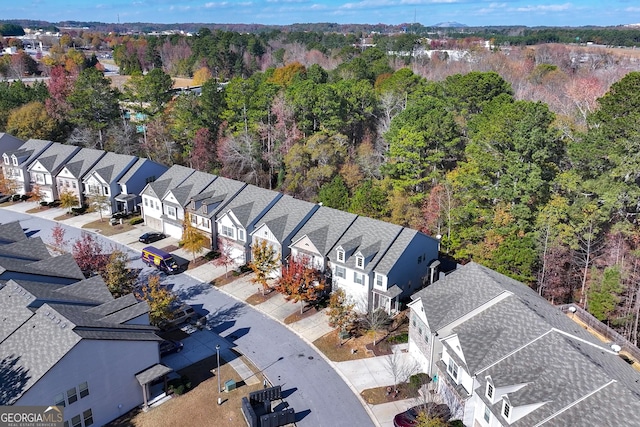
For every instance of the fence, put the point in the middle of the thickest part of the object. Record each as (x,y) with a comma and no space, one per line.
(602,329)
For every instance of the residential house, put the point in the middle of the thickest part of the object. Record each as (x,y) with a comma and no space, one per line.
(319,234)
(73,344)
(15,164)
(203,207)
(102,179)
(280,223)
(503,356)
(69,179)
(153,192)
(46,166)
(9,142)
(376,263)
(176,199)
(238,219)
(133,181)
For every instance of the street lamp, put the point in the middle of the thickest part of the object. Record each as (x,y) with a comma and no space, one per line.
(218,357)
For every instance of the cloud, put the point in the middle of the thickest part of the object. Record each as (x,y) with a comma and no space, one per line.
(225,4)
(367,4)
(544,8)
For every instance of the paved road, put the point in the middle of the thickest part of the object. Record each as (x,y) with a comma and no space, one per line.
(317,393)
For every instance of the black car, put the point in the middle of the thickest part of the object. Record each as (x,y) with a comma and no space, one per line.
(170,347)
(151,237)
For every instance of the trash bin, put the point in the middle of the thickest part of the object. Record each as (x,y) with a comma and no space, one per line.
(229,385)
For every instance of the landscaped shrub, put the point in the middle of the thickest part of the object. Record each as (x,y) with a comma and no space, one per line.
(211,255)
(417,380)
(79,211)
(137,220)
(15,197)
(398,339)
(180,385)
(44,203)
(24,197)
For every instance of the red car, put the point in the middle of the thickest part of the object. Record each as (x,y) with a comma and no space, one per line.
(409,418)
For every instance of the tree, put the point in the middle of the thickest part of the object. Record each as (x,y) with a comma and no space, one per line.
(340,312)
(300,282)
(399,370)
(226,256)
(68,200)
(375,321)
(36,193)
(94,104)
(117,276)
(160,300)
(149,92)
(89,254)
(57,236)
(98,203)
(264,261)
(604,293)
(203,150)
(193,240)
(32,121)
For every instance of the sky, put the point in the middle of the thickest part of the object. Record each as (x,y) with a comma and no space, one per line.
(283,12)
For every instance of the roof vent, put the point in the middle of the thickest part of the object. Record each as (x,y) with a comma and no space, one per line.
(572,309)
(616,348)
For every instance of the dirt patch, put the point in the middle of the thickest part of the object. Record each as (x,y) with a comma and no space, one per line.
(340,350)
(106,229)
(198,406)
(37,209)
(259,297)
(297,316)
(169,248)
(197,263)
(63,217)
(378,395)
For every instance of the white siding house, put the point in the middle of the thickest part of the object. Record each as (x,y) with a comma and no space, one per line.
(69,179)
(46,166)
(16,162)
(102,179)
(153,193)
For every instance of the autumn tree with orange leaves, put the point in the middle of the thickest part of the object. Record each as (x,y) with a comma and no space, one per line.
(300,282)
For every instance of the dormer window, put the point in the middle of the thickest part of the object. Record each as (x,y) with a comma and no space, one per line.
(6,159)
(489,391)
(15,161)
(204,208)
(360,261)
(340,255)
(506,409)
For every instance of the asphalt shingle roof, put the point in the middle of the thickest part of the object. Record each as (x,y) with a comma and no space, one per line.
(190,187)
(83,161)
(55,156)
(31,149)
(215,196)
(249,203)
(11,232)
(112,165)
(367,236)
(325,227)
(168,180)
(283,217)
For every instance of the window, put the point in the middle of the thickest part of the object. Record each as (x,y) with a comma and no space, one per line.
(506,410)
(194,219)
(359,261)
(106,191)
(75,421)
(6,159)
(227,231)
(146,202)
(15,161)
(39,178)
(73,184)
(340,255)
(419,259)
(341,272)
(452,369)
(94,189)
(241,235)
(489,391)
(72,395)
(205,223)
(414,322)
(358,278)
(84,390)
(88,417)
(59,400)
(379,280)
(171,211)
(487,414)
(426,337)
(204,208)
(419,331)
(157,205)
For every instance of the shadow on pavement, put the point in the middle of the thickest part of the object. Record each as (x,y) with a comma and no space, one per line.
(288,392)
(193,291)
(300,415)
(238,333)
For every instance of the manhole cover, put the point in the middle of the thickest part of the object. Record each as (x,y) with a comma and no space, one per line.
(310,358)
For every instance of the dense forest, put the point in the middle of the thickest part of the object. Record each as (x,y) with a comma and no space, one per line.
(526,160)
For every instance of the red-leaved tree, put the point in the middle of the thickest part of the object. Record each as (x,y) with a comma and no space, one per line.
(57,236)
(226,256)
(201,154)
(89,254)
(300,282)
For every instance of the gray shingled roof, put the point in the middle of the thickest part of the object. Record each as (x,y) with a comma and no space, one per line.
(249,203)
(55,156)
(111,166)
(283,217)
(215,196)
(114,305)
(558,373)
(11,232)
(190,187)
(396,250)
(31,149)
(93,289)
(368,236)
(14,311)
(325,227)
(168,180)
(30,250)
(83,161)
(6,139)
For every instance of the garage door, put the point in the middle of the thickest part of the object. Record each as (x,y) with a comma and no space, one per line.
(154,223)
(173,230)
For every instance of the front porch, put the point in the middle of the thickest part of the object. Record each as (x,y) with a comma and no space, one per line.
(148,376)
(387,300)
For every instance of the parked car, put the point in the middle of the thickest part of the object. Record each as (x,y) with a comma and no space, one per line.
(151,237)
(169,347)
(184,313)
(409,418)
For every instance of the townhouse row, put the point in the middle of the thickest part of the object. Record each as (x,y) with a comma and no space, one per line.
(378,264)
